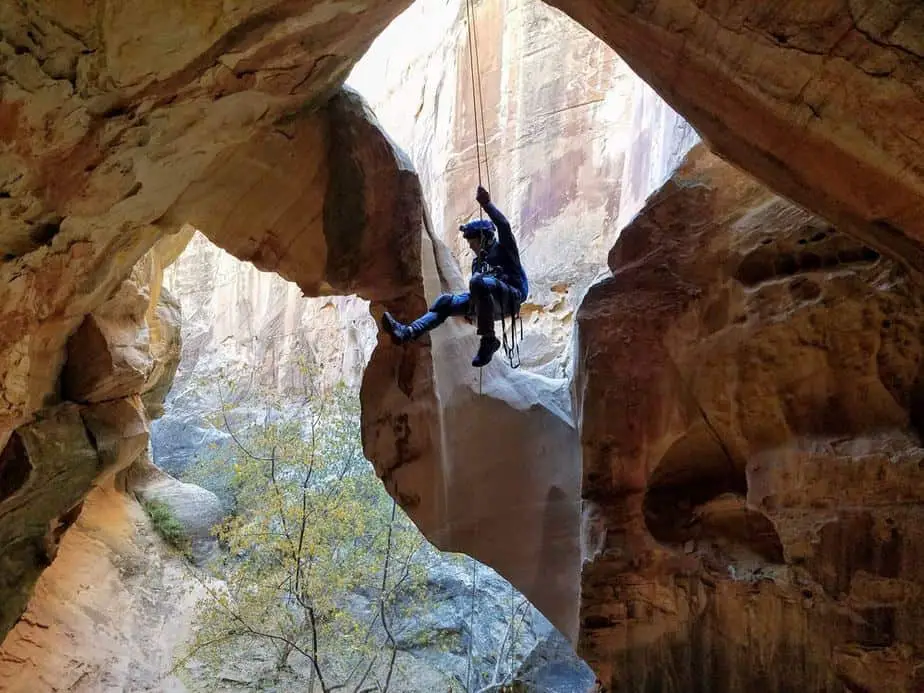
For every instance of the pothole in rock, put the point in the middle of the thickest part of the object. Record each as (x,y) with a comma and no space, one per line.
(816,250)
(14,467)
(696,503)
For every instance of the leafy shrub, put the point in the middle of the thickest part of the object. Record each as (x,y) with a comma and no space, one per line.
(168,527)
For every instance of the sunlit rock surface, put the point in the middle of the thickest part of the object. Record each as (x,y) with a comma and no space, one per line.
(821,101)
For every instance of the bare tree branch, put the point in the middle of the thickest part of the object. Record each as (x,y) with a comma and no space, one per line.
(391,638)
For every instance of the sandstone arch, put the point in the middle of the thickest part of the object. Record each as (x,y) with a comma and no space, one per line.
(111,142)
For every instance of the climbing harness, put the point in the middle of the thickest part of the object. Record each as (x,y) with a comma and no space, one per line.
(512,351)
(511,347)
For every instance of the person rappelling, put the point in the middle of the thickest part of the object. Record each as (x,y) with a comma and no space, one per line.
(498,285)
(497,288)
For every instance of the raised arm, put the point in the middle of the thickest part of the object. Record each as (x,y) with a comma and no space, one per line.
(504,234)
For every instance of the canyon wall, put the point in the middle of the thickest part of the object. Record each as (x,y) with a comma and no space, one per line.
(119,125)
(748,385)
(241,325)
(821,102)
(107,615)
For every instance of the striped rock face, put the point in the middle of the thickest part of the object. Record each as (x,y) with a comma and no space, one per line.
(821,101)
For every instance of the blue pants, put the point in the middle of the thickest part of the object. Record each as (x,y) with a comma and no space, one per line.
(488,298)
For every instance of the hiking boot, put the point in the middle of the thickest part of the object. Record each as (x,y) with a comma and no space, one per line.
(398,331)
(489,344)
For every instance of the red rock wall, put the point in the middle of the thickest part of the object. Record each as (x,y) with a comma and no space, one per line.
(748,387)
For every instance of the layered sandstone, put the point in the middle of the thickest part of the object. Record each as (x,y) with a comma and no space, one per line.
(113,120)
(821,101)
(108,614)
(94,427)
(245,320)
(749,383)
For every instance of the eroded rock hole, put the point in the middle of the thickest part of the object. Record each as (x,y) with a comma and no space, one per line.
(763,265)
(696,502)
(15,467)
(809,262)
(803,289)
(755,268)
(786,265)
(43,234)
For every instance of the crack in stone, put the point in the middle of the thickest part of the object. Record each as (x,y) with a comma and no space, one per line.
(866,33)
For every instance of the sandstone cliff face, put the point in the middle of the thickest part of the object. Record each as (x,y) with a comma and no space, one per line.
(659,140)
(98,427)
(243,318)
(109,612)
(820,100)
(748,385)
(112,120)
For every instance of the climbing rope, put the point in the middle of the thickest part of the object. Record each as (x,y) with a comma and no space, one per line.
(474,61)
(471,629)
(484,129)
(477,101)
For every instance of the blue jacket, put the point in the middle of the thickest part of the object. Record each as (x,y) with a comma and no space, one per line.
(503,256)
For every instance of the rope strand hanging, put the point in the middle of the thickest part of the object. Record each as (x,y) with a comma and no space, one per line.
(471,629)
(481,141)
(484,129)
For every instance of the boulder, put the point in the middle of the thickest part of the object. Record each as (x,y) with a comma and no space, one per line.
(198,510)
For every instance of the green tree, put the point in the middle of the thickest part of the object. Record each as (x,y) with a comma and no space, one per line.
(313,530)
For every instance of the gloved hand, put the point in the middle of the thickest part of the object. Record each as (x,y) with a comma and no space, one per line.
(482,196)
